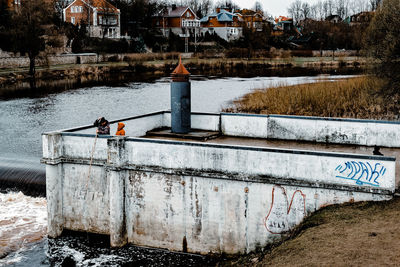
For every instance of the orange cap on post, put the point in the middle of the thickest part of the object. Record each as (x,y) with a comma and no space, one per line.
(180,74)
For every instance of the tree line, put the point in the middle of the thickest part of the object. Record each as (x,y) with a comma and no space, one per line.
(301,10)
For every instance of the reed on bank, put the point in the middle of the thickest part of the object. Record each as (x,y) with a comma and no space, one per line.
(358,97)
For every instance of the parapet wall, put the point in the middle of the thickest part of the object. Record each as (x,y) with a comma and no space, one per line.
(198,197)
(313,129)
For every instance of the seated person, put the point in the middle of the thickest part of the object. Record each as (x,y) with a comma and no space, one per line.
(120,129)
(103,126)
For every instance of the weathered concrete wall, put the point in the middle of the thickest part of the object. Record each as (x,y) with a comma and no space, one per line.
(12,62)
(217,215)
(246,125)
(305,166)
(334,130)
(198,197)
(313,129)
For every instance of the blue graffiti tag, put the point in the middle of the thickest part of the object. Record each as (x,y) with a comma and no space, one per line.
(361,172)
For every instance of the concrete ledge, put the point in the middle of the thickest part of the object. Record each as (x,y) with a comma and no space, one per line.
(212,174)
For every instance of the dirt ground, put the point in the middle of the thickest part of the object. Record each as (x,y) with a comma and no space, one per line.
(353,234)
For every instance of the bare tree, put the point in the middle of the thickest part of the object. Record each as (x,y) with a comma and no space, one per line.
(331,6)
(306,10)
(206,7)
(341,8)
(258,6)
(318,10)
(28,29)
(59,5)
(228,4)
(295,10)
(374,4)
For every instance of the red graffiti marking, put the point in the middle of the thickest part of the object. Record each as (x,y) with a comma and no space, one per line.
(282,216)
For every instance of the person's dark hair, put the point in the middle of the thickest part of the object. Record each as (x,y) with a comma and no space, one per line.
(99,121)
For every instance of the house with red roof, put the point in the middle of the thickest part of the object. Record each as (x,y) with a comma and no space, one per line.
(181,20)
(101,17)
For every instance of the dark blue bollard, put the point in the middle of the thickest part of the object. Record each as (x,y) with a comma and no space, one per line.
(180,100)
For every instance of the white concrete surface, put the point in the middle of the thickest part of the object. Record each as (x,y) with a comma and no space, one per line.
(218,198)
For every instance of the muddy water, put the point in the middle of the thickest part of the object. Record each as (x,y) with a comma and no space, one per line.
(23,220)
(23,119)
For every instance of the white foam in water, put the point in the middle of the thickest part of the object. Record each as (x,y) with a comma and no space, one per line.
(78,256)
(23,221)
(99,261)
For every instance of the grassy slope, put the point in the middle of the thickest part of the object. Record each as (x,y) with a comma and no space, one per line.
(353,234)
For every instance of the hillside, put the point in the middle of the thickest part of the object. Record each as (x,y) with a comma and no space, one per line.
(352,234)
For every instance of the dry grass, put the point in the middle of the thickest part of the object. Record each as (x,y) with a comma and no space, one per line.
(356,98)
(141,57)
(353,234)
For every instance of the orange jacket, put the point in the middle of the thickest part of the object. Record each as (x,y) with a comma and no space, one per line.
(120,130)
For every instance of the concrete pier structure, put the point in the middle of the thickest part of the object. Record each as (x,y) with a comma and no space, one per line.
(232,194)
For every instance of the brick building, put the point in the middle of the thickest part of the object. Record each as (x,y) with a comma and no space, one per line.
(101,17)
(180,20)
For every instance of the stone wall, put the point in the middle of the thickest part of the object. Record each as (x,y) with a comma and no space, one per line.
(17,62)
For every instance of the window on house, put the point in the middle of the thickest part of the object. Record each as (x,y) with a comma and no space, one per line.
(188,14)
(80,9)
(100,20)
(73,20)
(112,21)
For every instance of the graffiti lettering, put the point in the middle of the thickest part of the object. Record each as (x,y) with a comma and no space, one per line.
(361,172)
(283,216)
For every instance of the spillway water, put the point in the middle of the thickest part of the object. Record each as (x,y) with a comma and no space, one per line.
(23,239)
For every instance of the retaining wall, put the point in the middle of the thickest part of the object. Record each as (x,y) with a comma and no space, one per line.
(13,62)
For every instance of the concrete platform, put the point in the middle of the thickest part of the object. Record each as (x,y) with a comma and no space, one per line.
(198,135)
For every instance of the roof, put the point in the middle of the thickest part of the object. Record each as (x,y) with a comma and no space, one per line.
(331,17)
(103,5)
(180,72)
(174,12)
(282,19)
(222,16)
(100,5)
(177,12)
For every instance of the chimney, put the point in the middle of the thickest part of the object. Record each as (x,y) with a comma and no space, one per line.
(180,100)
(173,6)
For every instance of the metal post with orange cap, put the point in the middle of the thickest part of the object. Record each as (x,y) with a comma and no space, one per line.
(180,100)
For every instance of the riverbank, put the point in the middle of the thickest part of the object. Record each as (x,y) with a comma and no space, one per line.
(340,235)
(128,68)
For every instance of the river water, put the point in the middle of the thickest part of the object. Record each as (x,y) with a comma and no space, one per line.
(23,239)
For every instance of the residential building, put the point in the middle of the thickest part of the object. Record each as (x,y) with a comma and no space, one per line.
(333,18)
(282,25)
(180,20)
(101,17)
(360,18)
(12,3)
(252,19)
(225,24)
